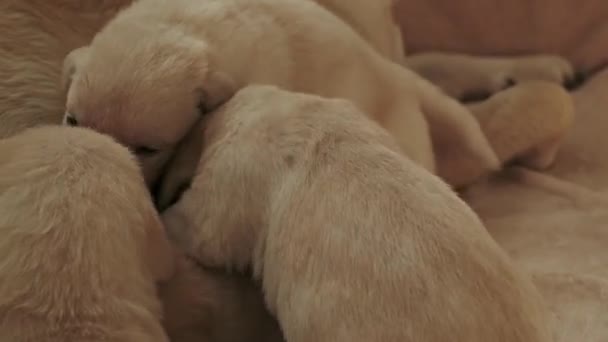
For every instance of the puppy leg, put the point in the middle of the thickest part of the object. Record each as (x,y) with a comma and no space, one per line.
(470,78)
(526,123)
(208,222)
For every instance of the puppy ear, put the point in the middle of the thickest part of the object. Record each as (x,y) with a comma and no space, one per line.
(160,253)
(71,63)
(214,86)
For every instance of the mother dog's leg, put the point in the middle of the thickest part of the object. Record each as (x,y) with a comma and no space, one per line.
(464,77)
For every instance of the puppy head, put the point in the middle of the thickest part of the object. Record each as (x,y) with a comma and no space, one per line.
(146,89)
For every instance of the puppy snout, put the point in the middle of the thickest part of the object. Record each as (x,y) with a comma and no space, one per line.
(70,120)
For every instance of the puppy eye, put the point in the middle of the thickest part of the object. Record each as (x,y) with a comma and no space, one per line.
(145,151)
(70,120)
(202,109)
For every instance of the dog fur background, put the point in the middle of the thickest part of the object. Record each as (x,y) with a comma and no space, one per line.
(36,36)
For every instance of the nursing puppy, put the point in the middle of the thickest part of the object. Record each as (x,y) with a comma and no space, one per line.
(148,75)
(82,246)
(351,240)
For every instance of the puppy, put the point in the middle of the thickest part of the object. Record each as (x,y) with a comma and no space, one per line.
(82,246)
(351,240)
(206,305)
(149,74)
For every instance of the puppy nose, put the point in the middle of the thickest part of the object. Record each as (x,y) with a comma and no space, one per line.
(71,121)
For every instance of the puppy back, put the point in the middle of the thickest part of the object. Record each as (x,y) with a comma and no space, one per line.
(73,209)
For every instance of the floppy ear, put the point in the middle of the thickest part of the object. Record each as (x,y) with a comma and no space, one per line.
(159,252)
(71,63)
(215,87)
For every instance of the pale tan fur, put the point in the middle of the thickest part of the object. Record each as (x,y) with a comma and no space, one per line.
(146,72)
(542,114)
(375,21)
(203,305)
(82,246)
(36,37)
(352,241)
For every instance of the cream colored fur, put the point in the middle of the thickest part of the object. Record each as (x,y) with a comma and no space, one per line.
(144,75)
(352,241)
(82,246)
(36,36)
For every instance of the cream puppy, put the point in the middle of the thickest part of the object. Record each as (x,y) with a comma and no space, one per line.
(82,246)
(351,240)
(148,75)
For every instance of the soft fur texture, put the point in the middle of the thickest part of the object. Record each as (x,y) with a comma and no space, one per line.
(145,76)
(36,37)
(82,246)
(352,241)
(204,305)
(539,114)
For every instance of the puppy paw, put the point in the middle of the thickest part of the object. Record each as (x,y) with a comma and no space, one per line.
(506,73)
(554,69)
